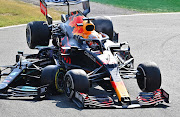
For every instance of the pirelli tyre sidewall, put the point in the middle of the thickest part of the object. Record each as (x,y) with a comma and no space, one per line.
(37,33)
(53,75)
(148,77)
(76,80)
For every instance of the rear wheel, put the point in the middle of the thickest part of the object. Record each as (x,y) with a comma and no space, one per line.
(104,25)
(148,77)
(76,80)
(37,33)
(53,75)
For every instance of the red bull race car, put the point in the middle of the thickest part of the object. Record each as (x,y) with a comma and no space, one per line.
(84,53)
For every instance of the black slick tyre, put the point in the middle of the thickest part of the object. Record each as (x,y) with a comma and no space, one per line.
(148,77)
(37,33)
(76,80)
(53,75)
(104,25)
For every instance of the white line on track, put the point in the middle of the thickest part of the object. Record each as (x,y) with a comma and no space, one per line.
(147,14)
(1,28)
(13,26)
(133,15)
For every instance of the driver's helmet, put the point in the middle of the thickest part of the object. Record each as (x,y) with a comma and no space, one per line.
(93,44)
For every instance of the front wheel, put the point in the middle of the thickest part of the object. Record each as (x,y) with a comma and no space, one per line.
(148,77)
(76,80)
(53,75)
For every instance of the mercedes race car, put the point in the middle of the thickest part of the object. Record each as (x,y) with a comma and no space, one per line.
(75,57)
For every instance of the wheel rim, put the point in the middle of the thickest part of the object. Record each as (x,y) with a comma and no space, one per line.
(59,81)
(28,35)
(141,78)
(69,86)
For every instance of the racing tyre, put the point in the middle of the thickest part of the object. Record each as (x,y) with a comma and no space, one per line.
(104,25)
(37,33)
(148,77)
(76,80)
(53,75)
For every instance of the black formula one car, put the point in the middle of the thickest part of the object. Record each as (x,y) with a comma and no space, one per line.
(84,54)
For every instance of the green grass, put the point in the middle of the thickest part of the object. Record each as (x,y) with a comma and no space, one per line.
(13,12)
(145,5)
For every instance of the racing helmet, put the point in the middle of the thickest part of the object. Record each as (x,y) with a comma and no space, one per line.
(93,44)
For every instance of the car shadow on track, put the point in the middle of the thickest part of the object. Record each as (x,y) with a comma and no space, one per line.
(158,106)
(62,101)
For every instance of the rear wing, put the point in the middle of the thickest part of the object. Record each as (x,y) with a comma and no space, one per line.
(63,2)
(45,3)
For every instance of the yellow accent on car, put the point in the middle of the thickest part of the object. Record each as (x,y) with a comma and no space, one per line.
(56,82)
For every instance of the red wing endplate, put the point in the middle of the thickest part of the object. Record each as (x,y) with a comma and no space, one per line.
(43,7)
(153,98)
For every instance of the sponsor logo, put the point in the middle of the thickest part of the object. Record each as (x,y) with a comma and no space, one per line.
(78,30)
(90,56)
(6,81)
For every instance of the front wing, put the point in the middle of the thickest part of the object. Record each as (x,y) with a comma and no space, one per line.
(103,101)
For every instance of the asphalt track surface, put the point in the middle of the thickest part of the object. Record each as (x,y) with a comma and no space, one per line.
(151,38)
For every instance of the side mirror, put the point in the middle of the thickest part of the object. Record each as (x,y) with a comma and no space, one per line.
(115,37)
(63,18)
(17,58)
(86,7)
(20,53)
